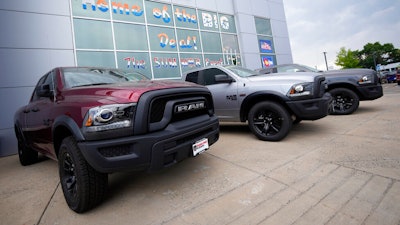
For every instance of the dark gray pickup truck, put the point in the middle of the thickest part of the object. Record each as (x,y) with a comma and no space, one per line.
(348,86)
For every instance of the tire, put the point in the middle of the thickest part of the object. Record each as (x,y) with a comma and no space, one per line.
(345,101)
(269,121)
(27,156)
(83,187)
(296,121)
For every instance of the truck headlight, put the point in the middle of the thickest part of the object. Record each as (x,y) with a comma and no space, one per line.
(303,89)
(109,117)
(366,79)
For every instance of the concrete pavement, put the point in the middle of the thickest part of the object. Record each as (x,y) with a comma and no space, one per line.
(336,170)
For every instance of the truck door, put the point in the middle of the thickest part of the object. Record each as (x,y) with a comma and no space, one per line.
(37,114)
(225,94)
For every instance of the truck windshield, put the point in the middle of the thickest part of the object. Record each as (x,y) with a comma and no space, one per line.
(95,76)
(242,72)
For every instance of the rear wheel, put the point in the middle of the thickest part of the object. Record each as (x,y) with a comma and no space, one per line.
(269,121)
(83,187)
(27,156)
(345,101)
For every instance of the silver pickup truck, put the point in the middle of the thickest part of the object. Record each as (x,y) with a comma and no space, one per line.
(270,103)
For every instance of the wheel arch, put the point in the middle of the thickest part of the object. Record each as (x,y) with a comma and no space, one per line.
(63,127)
(17,129)
(260,96)
(344,85)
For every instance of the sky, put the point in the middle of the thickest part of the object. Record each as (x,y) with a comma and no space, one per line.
(327,25)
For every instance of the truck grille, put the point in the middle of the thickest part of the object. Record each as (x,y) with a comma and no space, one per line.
(157,109)
(158,106)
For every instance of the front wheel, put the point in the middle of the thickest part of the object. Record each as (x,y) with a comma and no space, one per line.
(345,101)
(269,121)
(83,187)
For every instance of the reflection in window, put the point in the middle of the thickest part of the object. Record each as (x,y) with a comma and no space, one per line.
(130,36)
(165,65)
(189,61)
(114,34)
(188,40)
(213,42)
(93,34)
(263,26)
(231,49)
(95,58)
(162,39)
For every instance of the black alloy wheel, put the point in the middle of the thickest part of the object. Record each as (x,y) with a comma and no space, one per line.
(83,187)
(69,176)
(269,121)
(345,101)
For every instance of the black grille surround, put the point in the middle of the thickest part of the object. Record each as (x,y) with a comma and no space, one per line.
(155,109)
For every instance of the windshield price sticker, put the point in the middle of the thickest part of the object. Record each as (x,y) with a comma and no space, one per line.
(200,146)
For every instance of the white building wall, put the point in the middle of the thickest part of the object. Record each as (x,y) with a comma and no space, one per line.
(244,12)
(37,36)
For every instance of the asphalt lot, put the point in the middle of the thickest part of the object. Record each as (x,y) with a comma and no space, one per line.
(336,170)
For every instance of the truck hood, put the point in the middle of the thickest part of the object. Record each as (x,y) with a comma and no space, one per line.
(284,78)
(121,92)
(347,72)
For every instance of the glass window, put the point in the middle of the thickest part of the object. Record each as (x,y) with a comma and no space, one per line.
(159,13)
(189,61)
(193,77)
(128,10)
(165,65)
(213,41)
(91,9)
(92,34)
(95,58)
(208,20)
(46,79)
(162,39)
(115,34)
(130,36)
(227,23)
(213,59)
(209,76)
(137,61)
(263,26)
(268,60)
(266,44)
(185,17)
(188,40)
(230,48)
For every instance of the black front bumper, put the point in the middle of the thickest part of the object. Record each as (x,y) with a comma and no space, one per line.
(370,92)
(311,109)
(152,151)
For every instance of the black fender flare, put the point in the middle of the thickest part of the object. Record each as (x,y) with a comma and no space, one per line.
(69,123)
(259,96)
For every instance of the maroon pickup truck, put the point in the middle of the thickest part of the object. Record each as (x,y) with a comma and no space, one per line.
(96,121)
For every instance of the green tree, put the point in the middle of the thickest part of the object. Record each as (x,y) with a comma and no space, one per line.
(375,53)
(346,59)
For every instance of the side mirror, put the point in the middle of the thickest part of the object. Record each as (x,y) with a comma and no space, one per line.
(44,90)
(223,78)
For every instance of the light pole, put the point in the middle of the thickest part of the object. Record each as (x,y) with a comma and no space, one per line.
(326,63)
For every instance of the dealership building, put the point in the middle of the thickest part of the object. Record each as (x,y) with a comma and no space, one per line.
(160,38)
